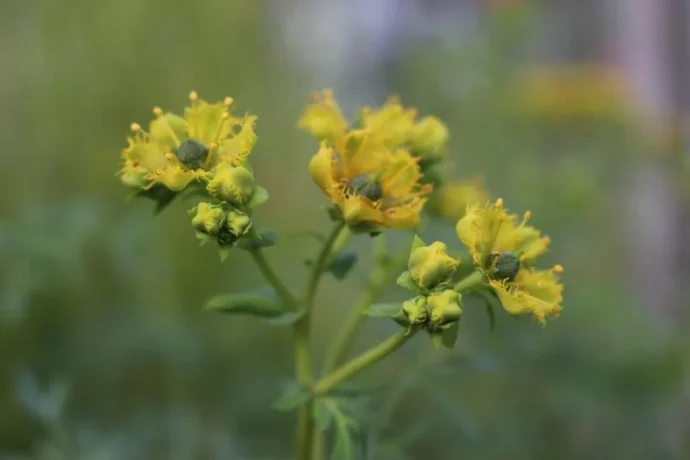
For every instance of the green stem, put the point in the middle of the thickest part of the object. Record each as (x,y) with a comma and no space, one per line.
(363,361)
(382,273)
(305,423)
(320,264)
(470,282)
(273,279)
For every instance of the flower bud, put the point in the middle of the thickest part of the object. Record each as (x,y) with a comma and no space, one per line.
(415,310)
(208,218)
(503,266)
(431,265)
(428,138)
(231,183)
(444,308)
(238,223)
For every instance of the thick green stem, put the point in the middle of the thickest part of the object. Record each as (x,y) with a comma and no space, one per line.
(362,361)
(472,281)
(383,271)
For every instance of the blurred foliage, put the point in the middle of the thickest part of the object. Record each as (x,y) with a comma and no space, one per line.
(105,353)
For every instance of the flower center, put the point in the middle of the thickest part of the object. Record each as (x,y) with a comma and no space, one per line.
(366,186)
(192,153)
(503,265)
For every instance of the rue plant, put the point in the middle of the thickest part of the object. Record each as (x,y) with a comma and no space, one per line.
(385,171)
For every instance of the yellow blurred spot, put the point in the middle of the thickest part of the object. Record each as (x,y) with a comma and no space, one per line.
(558,268)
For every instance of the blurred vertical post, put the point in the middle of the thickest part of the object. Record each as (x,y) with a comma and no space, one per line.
(641,33)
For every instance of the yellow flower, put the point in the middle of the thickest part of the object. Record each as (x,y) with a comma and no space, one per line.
(532,291)
(178,150)
(372,185)
(452,199)
(566,92)
(397,127)
(394,125)
(431,265)
(392,122)
(503,247)
(323,118)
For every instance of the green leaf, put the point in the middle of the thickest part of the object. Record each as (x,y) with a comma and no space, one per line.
(259,196)
(261,303)
(344,446)
(285,318)
(267,238)
(224,252)
(405,280)
(417,243)
(450,335)
(342,264)
(383,310)
(293,396)
(321,415)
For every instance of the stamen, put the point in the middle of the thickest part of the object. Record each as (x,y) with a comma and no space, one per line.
(171,156)
(558,268)
(525,217)
(228,101)
(499,203)
(193,97)
(135,127)
(157,111)
(223,119)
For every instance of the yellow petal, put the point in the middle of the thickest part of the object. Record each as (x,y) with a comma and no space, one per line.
(358,211)
(174,177)
(168,130)
(148,155)
(207,122)
(323,118)
(391,122)
(404,217)
(321,169)
(236,149)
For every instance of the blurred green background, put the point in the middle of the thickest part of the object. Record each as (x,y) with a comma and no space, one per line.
(104,352)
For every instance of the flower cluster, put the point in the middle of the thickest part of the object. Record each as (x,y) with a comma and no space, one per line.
(204,152)
(372,172)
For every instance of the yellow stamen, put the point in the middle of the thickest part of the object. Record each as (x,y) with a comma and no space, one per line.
(525,217)
(558,268)
(228,101)
(223,119)
(157,111)
(135,127)
(193,96)
(499,203)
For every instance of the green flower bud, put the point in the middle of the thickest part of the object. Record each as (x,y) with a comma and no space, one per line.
(192,153)
(431,265)
(428,138)
(238,223)
(415,310)
(503,266)
(231,183)
(208,218)
(444,308)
